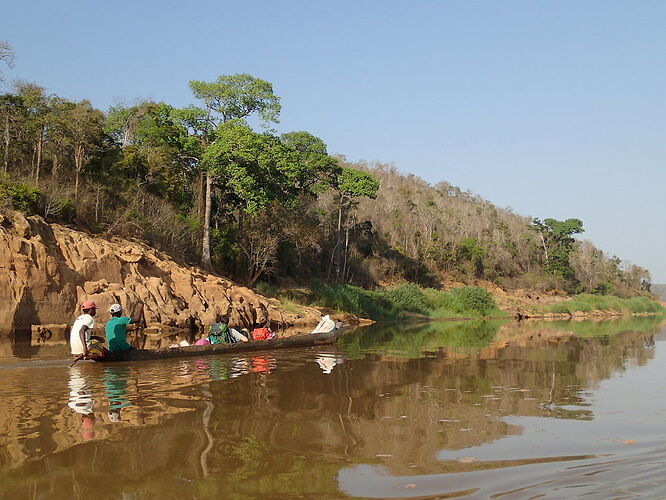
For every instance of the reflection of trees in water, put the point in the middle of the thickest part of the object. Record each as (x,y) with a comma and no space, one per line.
(288,432)
(412,340)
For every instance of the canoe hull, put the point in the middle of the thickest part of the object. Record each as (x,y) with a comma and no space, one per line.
(203,350)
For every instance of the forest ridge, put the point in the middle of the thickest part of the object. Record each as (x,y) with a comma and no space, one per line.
(204,185)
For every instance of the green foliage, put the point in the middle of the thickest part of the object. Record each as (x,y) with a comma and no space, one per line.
(235,161)
(470,250)
(470,301)
(603,288)
(314,168)
(397,301)
(238,96)
(407,297)
(558,242)
(351,299)
(354,183)
(589,303)
(21,196)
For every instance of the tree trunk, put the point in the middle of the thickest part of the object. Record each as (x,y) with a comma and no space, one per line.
(344,265)
(97,206)
(40,143)
(205,246)
(545,248)
(78,165)
(199,204)
(334,252)
(6,164)
(56,166)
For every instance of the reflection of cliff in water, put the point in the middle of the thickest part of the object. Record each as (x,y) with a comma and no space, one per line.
(288,432)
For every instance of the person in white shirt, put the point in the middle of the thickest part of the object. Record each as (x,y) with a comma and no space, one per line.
(82,329)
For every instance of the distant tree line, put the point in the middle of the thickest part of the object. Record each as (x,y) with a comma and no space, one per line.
(204,185)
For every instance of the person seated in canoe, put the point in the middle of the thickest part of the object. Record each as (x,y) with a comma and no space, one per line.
(220,333)
(116,328)
(81,339)
(263,332)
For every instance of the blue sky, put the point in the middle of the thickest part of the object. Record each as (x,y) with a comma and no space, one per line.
(556,109)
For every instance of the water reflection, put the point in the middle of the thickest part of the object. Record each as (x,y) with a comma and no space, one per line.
(423,403)
(82,402)
(115,383)
(328,361)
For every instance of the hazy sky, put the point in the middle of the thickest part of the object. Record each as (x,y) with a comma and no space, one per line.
(556,109)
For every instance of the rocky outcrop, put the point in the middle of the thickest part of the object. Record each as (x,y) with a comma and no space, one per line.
(46,270)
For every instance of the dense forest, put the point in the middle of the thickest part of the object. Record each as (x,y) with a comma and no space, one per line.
(213,184)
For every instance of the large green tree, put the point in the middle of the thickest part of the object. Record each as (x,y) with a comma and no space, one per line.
(230,97)
(558,243)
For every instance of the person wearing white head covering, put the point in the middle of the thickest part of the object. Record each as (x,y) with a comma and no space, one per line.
(116,328)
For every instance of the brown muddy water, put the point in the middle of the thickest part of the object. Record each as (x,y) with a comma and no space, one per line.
(443,410)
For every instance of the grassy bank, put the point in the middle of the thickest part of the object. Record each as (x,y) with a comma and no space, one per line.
(395,302)
(410,300)
(587,303)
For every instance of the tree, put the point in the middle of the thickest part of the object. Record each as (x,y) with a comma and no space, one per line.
(85,127)
(350,185)
(122,122)
(314,169)
(6,55)
(12,112)
(558,243)
(37,105)
(230,97)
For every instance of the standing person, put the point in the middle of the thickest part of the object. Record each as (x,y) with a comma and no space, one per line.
(116,328)
(82,329)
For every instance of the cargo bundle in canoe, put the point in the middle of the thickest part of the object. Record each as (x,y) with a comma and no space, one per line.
(311,339)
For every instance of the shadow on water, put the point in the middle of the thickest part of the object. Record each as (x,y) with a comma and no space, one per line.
(393,411)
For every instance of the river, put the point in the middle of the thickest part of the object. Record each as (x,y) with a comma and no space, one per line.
(440,410)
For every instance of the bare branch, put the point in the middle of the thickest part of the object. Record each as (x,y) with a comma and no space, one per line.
(6,56)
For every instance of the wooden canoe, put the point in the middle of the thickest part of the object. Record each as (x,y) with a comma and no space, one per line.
(307,340)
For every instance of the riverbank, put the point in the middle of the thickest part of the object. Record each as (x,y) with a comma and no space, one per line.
(50,269)
(409,301)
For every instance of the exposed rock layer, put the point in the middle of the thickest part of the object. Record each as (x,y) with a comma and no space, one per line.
(46,270)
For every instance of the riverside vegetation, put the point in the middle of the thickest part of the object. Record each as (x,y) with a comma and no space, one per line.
(201,184)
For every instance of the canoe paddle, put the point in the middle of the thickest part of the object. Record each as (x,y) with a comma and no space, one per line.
(79,357)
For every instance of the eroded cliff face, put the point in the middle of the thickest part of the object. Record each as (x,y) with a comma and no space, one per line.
(46,270)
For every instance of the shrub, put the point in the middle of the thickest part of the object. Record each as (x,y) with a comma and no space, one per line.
(408,297)
(22,197)
(351,299)
(473,299)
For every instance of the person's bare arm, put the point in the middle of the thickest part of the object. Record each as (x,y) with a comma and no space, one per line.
(82,336)
(137,314)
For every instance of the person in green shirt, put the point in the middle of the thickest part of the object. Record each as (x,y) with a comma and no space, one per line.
(116,328)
